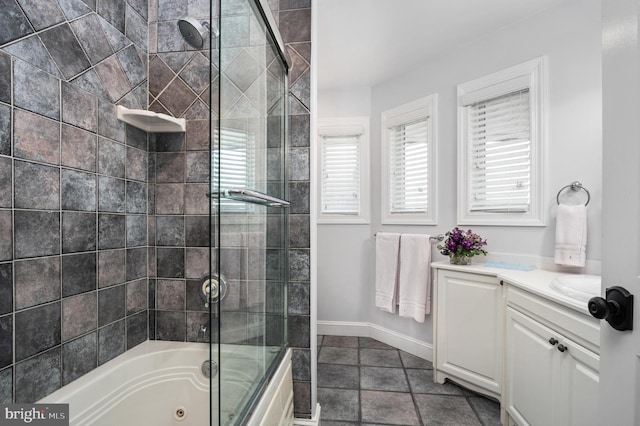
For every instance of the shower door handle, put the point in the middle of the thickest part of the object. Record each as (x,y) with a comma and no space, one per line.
(250,196)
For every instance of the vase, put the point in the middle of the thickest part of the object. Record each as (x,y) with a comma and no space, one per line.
(460,259)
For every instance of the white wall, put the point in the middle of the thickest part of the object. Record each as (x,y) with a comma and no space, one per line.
(570,37)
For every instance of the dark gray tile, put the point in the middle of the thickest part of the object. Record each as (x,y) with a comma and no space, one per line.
(445,410)
(137,326)
(136,138)
(412,361)
(32,50)
(160,75)
(339,404)
(193,200)
(301,364)
(299,265)
(194,298)
(136,230)
(111,196)
(487,410)
(369,343)
(42,14)
(298,162)
(111,304)
(170,262)
(136,197)
(422,382)
(38,328)
(6,235)
(197,135)
(111,231)
(38,376)
(90,82)
(137,28)
(6,288)
(331,355)
(171,9)
(79,315)
(117,39)
(170,231)
(295,25)
(136,167)
(341,341)
(177,97)
(388,408)
(171,325)
(136,263)
(168,37)
(79,274)
(6,182)
(78,232)
(195,320)
(170,142)
(196,73)
(383,379)
(338,376)
(13,23)
(74,8)
(36,233)
(197,231)
(65,50)
(133,65)
(108,124)
(36,138)
(197,262)
(111,267)
(380,357)
(299,298)
(302,399)
(299,235)
(113,78)
(198,167)
(299,130)
(111,341)
(170,199)
(79,357)
(111,158)
(136,296)
(36,91)
(37,281)
(5,129)
(170,167)
(79,108)
(93,40)
(78,191)
(36,186)
(299,193)
(5,76)
(78,148)
(171,295)
(114,12)
(6,386)
(6,340)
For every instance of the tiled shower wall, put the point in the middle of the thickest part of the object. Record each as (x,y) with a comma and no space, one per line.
(73,190)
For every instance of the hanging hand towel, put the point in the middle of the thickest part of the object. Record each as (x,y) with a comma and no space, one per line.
(571,235)
(387,249)
(415,281)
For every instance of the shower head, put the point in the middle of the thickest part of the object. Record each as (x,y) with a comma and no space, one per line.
(193,31)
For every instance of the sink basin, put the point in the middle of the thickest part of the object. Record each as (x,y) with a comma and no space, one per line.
(579,287)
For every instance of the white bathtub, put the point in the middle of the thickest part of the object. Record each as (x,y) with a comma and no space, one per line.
(161,384)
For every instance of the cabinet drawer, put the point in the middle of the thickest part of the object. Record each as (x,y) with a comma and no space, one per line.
(580,328)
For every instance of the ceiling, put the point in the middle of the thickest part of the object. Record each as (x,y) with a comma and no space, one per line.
(366,42)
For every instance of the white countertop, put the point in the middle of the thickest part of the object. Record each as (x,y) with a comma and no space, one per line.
(537,281)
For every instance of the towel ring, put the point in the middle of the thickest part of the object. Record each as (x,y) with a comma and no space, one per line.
(575,186)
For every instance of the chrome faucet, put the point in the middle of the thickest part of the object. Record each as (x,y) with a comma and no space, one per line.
(202,333)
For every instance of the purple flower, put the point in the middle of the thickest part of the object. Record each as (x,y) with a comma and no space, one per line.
(461,242)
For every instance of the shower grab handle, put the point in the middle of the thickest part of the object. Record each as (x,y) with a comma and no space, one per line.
(251,196)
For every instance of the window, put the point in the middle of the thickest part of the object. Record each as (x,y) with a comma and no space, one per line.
(408,163)
(344,170)
(500,147)
(237,163)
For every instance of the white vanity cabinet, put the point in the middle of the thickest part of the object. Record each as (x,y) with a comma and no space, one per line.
(552,363)
(468,334)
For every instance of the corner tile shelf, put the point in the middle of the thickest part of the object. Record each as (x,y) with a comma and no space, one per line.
(150,121)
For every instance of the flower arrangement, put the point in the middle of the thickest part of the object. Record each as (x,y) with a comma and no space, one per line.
(461,246)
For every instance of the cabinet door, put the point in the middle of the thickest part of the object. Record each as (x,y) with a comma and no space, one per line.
(578,403)
(532,382)
(470,328)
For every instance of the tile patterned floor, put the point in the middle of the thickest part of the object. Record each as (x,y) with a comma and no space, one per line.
(362,381)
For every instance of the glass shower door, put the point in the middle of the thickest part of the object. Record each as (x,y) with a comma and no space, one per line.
(250,211)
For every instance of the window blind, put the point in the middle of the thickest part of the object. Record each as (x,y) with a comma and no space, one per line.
(409,154)
(340,170)
(235,161)
(500,156)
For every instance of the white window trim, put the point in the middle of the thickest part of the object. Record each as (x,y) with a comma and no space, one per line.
(420,108)
(531,74)
(335,126)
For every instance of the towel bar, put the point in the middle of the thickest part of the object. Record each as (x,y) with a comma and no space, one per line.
(575,186)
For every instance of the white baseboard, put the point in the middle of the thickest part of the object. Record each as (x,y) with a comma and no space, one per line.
(364,329)
(315,421)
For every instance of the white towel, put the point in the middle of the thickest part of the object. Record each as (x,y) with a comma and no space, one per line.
(387,250)
(415,281)
(571,235)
